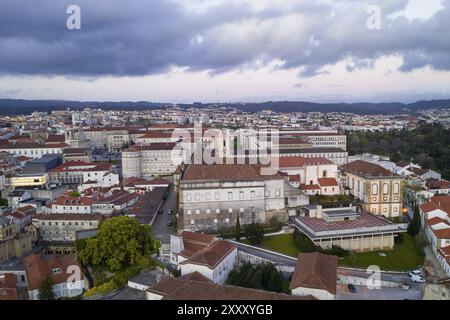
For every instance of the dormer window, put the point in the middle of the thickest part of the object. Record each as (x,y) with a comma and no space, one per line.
(56,270)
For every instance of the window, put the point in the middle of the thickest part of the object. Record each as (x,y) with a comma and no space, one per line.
(241,195)
(217,210)
(227,220)
(396,188)
(230,210)
(56,270)
(385,188)
(277,192)
(189,212)
(217,195)
(324,173)
(374,189)
(192,222)
(208,210)
(230,195)
(197,197)
(208,196)
(252,194)
(215,220)
(241,210)
(197,211)
(188,197)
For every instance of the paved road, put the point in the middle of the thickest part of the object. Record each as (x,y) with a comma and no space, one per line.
(364,293)
(160,229)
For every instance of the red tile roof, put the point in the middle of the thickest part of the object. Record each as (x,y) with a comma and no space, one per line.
(181,289)
(156,135)
(367,169)
(441,202)
(299,162)
(69,216)
(212,255)
(80,166)
(38,267)
(442,233)
(309,187)
(8,287)
(226,172)
(327,182)
(72,201)
(315,270)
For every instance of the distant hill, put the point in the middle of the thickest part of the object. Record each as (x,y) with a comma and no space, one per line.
(14,106)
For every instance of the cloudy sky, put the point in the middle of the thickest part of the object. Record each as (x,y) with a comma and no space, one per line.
(226,50)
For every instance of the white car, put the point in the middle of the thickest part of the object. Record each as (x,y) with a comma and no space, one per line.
(417,272)
(418,279)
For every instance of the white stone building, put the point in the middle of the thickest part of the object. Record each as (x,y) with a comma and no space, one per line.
(148,161)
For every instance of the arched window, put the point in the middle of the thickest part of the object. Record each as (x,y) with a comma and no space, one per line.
(385,188)
(374,189)
(359,186)
(396,188)
(324,174)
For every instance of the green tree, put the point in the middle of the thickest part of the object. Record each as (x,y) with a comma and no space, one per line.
(304,243)
(415,224)
(238,228)
(263,276)
(46,289)
(254,233)
(75,194)
(120,243)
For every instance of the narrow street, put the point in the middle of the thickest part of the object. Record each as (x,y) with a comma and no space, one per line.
(161,230)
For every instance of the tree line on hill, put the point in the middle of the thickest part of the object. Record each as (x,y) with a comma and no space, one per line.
(428,145)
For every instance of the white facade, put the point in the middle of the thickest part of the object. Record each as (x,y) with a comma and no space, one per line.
(36,151)
(218,274)
(143,162)
(317,293)
(62,290)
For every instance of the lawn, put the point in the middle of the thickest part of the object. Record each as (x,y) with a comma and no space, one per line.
(405,256)
(283,243)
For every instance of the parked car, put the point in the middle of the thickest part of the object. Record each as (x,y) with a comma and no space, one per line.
(170,211)
(405,286)
(351,288)
(417,272)
(169,224)
(419,279)
(416,278)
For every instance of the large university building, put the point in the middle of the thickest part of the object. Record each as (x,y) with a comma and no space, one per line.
(214,195)
(380,190)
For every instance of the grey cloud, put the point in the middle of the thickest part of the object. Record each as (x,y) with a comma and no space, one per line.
(141,37)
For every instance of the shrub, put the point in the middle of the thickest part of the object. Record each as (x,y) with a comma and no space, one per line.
(337,251)
(254,233)
(275,224)
(303,243)
(399,238)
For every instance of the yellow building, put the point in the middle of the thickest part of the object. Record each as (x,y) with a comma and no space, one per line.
(379,190)
(12,244)
(32,180)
